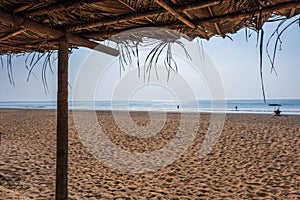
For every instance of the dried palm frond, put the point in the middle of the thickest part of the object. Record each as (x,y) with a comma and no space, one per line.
(46,59)
(9,67)
(278,42)
(236,5)
(201,51)
(261,63)
(129,44)
(169,62)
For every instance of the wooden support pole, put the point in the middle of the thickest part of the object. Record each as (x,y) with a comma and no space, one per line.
(61,187)
(46,31)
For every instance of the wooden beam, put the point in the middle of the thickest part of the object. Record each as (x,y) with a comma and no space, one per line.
(200,29)
(60,6)
(46,31)
(185,11)
(12,34)
(292,12)
(136,16)
(61,187)
(180,17)
(215,24)
(218,29)
(175,13)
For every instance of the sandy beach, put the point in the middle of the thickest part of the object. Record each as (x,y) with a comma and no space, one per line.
(256,157)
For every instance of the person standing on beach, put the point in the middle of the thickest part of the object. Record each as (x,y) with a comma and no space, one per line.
(236,107)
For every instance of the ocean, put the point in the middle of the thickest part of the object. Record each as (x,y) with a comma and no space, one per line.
(289,106)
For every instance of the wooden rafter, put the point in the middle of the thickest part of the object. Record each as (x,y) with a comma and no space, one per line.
(191,17)
(131,8)
(175,13)
(180,17)
(12,34)
(136,16)
(49,32)
(186,12)
(61,185)
(292,12)
(215,24)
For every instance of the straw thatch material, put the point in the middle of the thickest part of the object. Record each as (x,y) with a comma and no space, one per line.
(35,25)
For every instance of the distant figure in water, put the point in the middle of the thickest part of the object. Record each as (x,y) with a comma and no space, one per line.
(236,107)
(177,106)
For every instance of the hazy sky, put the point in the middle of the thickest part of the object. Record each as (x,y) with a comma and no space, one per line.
(236,61)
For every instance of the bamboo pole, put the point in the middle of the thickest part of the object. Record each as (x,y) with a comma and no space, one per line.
(180,17)
(61,187)
(175,13)
(215,24)
(35,27)
(9,35)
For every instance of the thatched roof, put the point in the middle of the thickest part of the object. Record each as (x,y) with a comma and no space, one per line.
(36,25)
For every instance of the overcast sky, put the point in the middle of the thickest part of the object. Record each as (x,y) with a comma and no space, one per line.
(237,63)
